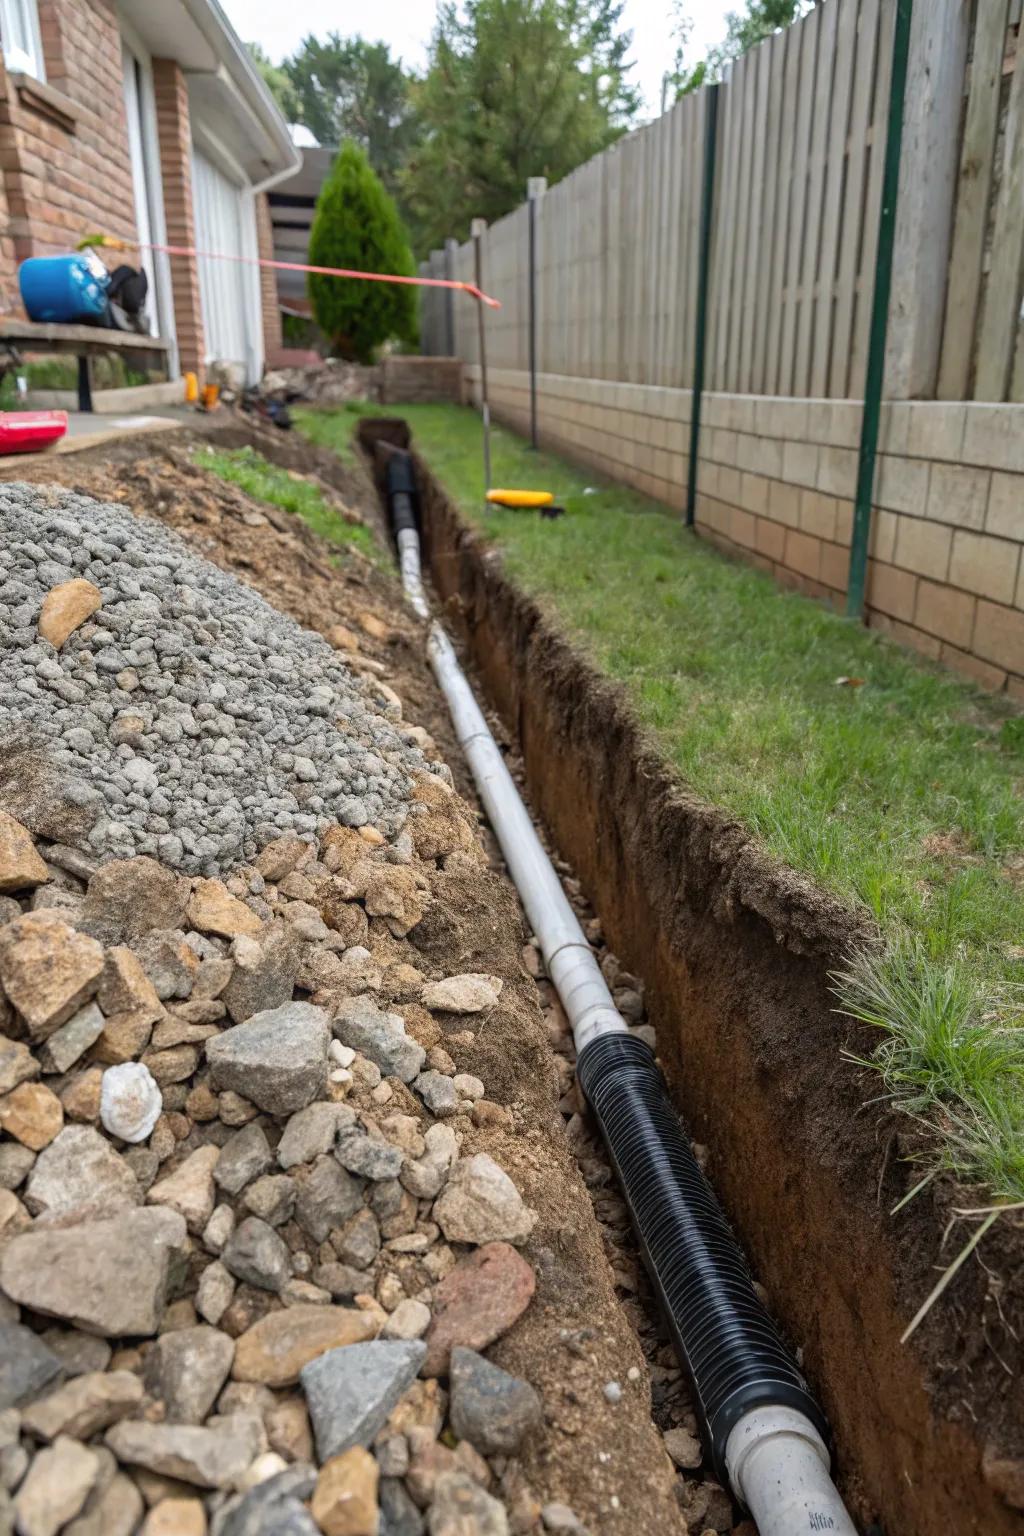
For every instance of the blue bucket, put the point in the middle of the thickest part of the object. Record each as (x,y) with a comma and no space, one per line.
(64,289)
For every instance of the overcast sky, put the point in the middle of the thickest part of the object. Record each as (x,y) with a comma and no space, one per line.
(406,25)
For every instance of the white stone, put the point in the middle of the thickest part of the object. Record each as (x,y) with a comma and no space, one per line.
(130,1101)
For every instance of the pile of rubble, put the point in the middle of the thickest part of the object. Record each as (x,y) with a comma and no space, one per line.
(155,704)
(241,1248)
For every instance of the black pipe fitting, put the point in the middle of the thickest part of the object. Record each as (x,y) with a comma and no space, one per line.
(400,485)
(728,1344)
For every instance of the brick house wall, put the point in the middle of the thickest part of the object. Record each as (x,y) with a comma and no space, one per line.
(63,144)
(174,135)
(269,305)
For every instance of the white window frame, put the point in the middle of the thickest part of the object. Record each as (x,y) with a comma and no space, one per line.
(22,16)
(161,304)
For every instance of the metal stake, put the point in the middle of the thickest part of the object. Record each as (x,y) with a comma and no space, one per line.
(477,230)
(536,186)
(874,379)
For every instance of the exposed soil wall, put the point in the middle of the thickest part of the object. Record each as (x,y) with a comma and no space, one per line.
(736,954)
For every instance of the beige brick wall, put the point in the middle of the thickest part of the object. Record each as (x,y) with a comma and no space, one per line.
(775,486)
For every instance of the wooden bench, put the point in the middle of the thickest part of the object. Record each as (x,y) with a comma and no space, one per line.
(82,341)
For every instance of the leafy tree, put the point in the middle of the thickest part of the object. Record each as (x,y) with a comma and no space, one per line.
(514,88)
(356,225)
(744,31)
(347,88)
(276,78)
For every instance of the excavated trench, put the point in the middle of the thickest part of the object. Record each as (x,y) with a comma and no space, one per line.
(735,953)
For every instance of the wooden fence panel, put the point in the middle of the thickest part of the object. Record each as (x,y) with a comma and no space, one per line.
(802,123)
(1000,315)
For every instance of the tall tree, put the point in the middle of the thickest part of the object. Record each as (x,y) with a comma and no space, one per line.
(744,30)
(356,225)
(277,79)
(349,89)
(514,88)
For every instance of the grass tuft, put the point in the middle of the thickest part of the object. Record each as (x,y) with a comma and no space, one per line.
(901,795)
(268,482)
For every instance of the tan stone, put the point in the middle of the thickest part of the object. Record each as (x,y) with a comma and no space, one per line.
(289,1430)
(84,1405)
(81,1096)
(213,909)
(126,1035)
(175,1517)
(342,638)
(345,1497)
(124,986)
(275,1349)
(374,627)
(58,1483)
(189,1189)
(66,607)
(32,1114)
(47,969)
(20,864)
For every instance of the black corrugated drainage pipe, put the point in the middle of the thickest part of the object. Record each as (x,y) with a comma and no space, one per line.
(762,1429)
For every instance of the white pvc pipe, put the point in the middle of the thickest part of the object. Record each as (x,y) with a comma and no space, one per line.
(779,1466)
(778,1463)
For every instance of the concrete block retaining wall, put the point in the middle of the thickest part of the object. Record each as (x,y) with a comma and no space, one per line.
(775,487)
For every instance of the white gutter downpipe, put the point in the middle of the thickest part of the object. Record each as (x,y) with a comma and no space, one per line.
(776,1460)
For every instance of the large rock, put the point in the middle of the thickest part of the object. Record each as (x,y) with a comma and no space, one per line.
(186,1369)
(491,1409)
(242,1159)
(275,1350)
(480,1204)
(208,1457)
(350,1392)
(189,1189)
(130,897)
(461,1505)
(477,1302)
(256,1254)
(56,1486)
(124,986)
(327,1197)
(71,1041)
(17,1064)
(274,1507)
(20,865)
(345,1498)
(107,1277)
(32,1114)
(277,1060)
(263,974)
(381,1036)
(84,1405)
(311,1132)
(67,606)
(47,970)
(471,993)
(26,1365)
(116,1511)
(213,909)
(80,1172)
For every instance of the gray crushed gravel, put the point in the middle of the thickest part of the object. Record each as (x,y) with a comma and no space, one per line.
(192,720)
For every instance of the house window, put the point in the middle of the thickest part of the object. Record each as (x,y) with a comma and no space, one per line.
(19,26)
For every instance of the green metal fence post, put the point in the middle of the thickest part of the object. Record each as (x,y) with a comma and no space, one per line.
(703,277)
(875,374)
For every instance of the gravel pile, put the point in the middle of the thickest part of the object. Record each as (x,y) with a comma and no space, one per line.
(191,720)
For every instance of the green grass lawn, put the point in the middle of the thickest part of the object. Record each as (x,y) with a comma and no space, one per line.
(901,795)
(268,482)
